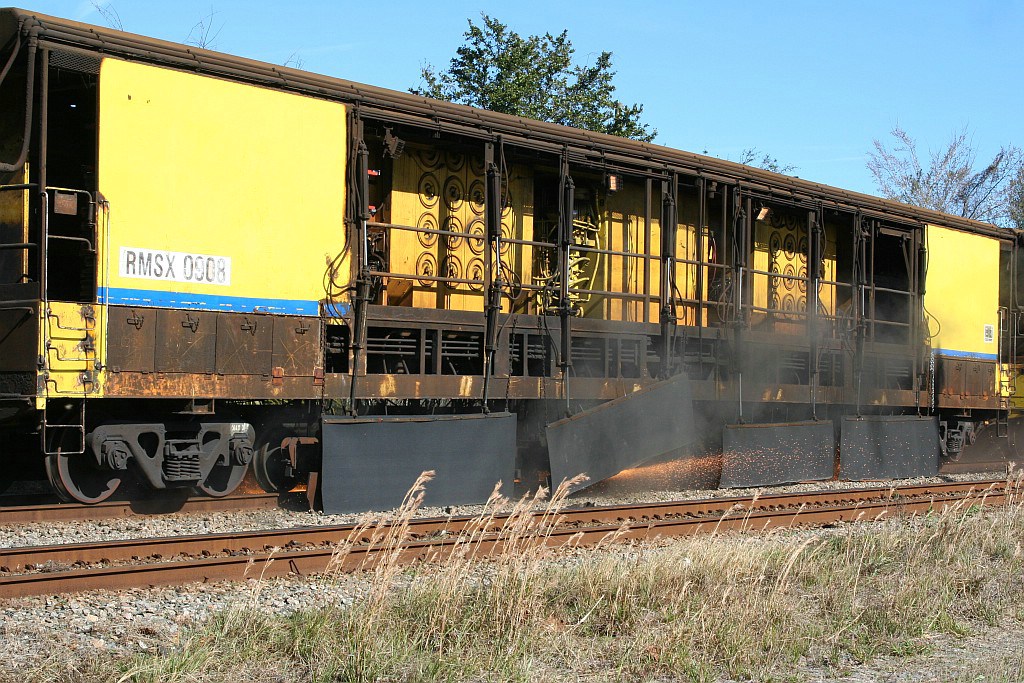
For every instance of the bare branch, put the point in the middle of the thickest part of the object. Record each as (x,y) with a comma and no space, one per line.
(1015,198)
(949,182)
(204,34)
(109,14)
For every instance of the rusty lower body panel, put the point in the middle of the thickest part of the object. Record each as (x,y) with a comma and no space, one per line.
(265,369)
(171,353)
(165,385)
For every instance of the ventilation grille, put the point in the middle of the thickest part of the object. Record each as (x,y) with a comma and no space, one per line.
(75,61)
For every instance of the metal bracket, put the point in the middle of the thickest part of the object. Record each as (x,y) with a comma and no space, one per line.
(290,445)
(565,309)
(669,223)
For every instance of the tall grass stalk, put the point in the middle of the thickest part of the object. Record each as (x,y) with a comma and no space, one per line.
(763,607)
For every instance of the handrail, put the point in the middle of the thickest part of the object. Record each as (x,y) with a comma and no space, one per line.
(69,238)
(837,319)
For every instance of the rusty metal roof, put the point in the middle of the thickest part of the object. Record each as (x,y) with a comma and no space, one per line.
(446,116)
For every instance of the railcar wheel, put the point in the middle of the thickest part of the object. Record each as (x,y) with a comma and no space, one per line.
(270,467)
(222,480)
(76,479)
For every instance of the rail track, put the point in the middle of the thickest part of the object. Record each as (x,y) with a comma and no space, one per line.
(40,570)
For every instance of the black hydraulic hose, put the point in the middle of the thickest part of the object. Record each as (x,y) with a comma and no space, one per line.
(29,85)
(10,60)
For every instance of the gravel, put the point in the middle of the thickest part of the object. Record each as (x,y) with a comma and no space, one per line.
(140,620)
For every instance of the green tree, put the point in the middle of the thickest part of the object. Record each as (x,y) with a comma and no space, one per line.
(752,156)
(950,179)
(534,77)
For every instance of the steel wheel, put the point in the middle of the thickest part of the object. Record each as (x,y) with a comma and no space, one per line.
(268,466)
(222,480)
(76,478)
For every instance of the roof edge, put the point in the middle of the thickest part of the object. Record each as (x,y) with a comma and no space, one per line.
(128,45)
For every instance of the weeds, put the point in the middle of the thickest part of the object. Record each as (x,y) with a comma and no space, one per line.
(497,605)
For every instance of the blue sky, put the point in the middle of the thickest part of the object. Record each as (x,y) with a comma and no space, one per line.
(811,83)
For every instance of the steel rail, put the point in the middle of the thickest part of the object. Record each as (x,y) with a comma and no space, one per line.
(17,558)
(309,562)
(239,555)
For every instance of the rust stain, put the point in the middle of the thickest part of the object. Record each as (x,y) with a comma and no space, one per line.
(188,385)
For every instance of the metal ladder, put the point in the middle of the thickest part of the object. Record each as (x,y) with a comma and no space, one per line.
(51,430)
(60,325)
(1006,363)
(82,337)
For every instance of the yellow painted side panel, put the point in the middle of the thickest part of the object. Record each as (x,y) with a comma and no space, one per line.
(446,192)
(439,192)
(198,168)
(1014,392)
(625,232)
(962,292)
(686,273)
(517,222)
(780,248)
(624,223)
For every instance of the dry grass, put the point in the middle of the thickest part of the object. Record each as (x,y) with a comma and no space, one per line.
(761,607)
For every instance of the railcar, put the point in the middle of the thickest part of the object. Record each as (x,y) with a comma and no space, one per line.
(210,265)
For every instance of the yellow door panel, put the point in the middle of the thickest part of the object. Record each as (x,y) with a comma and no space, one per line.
(962,293)
(219,198)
